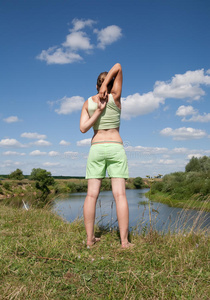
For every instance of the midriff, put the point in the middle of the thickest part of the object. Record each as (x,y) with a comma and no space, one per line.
(106,136)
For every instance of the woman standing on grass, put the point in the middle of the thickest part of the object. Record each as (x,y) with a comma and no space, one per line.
(102,112)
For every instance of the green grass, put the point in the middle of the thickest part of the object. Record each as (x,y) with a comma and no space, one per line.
(192,203)
(43,257)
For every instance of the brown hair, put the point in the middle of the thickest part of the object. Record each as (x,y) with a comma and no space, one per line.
(100,80)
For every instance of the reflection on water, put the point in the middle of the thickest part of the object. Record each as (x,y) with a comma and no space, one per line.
(140,208)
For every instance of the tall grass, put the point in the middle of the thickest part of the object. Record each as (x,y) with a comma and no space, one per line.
(43,257)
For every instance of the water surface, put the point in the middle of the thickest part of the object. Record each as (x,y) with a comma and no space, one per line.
(141,211)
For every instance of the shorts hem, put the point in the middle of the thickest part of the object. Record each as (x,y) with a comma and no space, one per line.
(94,177)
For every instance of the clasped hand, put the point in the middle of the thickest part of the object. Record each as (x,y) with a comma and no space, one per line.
(102,97)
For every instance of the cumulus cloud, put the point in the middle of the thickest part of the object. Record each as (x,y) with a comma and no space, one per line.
(184,111)
(13,153)
(10,163)
(37,153)
(33,135)
(54,153)
(68,105)
(42,143)
(180,150)
(108,35)
(183,86)
(200,118)
(85,142)
(79,40)
(167,161)
(80,24)
(136,105)
(147,150)
(71,154)
(12,119)
(183,133)
(12,143)
(64,143)
(55,55)
(51,164)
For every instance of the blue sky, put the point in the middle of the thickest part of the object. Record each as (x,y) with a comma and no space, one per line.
(51,54)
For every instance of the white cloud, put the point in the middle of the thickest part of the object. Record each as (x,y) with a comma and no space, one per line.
(136,105)
(108,35)
(50,164)
(13,153)
(147,150)
(199,118)
(80,24)
(69,105)
(85,142)
(60,56)
(184,111)
(11,143)
(64,143)
(54,153)
(33,135)
(167,161)
(198,155)
(183,133)
(12,119)
(42,143)
(180,150)
(71,154)
(10,163)
(37,153)
(78,41)
(183,86)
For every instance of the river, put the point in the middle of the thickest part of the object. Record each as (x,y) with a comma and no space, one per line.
(142,212)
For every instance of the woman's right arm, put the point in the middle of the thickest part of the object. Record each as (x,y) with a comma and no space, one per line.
(86,122)
(116,74)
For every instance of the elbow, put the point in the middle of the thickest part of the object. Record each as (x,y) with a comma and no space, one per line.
(118,66)
(82,129)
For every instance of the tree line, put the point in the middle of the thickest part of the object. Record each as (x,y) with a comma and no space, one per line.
(183,185)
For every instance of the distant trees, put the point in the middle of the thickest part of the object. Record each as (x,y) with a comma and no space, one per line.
(183,185)
(201,164)
(17,174)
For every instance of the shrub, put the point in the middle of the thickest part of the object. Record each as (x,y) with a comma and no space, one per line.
(17,174)
(138,182)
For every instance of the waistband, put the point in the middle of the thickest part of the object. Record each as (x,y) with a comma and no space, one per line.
(107,142)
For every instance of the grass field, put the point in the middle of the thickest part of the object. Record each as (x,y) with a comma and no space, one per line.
(43,257)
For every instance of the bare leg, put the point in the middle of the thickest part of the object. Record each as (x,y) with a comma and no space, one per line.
(118,190)
(89,209)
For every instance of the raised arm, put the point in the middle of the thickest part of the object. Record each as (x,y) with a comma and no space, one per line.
(86,122)
(115,74)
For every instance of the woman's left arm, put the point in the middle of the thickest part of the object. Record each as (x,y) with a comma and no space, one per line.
(86,122)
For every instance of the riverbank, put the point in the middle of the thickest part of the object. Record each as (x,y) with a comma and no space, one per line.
(192,203)
(12,192)
(43,257)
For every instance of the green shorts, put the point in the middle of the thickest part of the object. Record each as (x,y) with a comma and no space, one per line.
(108,157)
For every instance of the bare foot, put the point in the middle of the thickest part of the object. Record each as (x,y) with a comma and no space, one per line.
(91,243)
(127,245)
